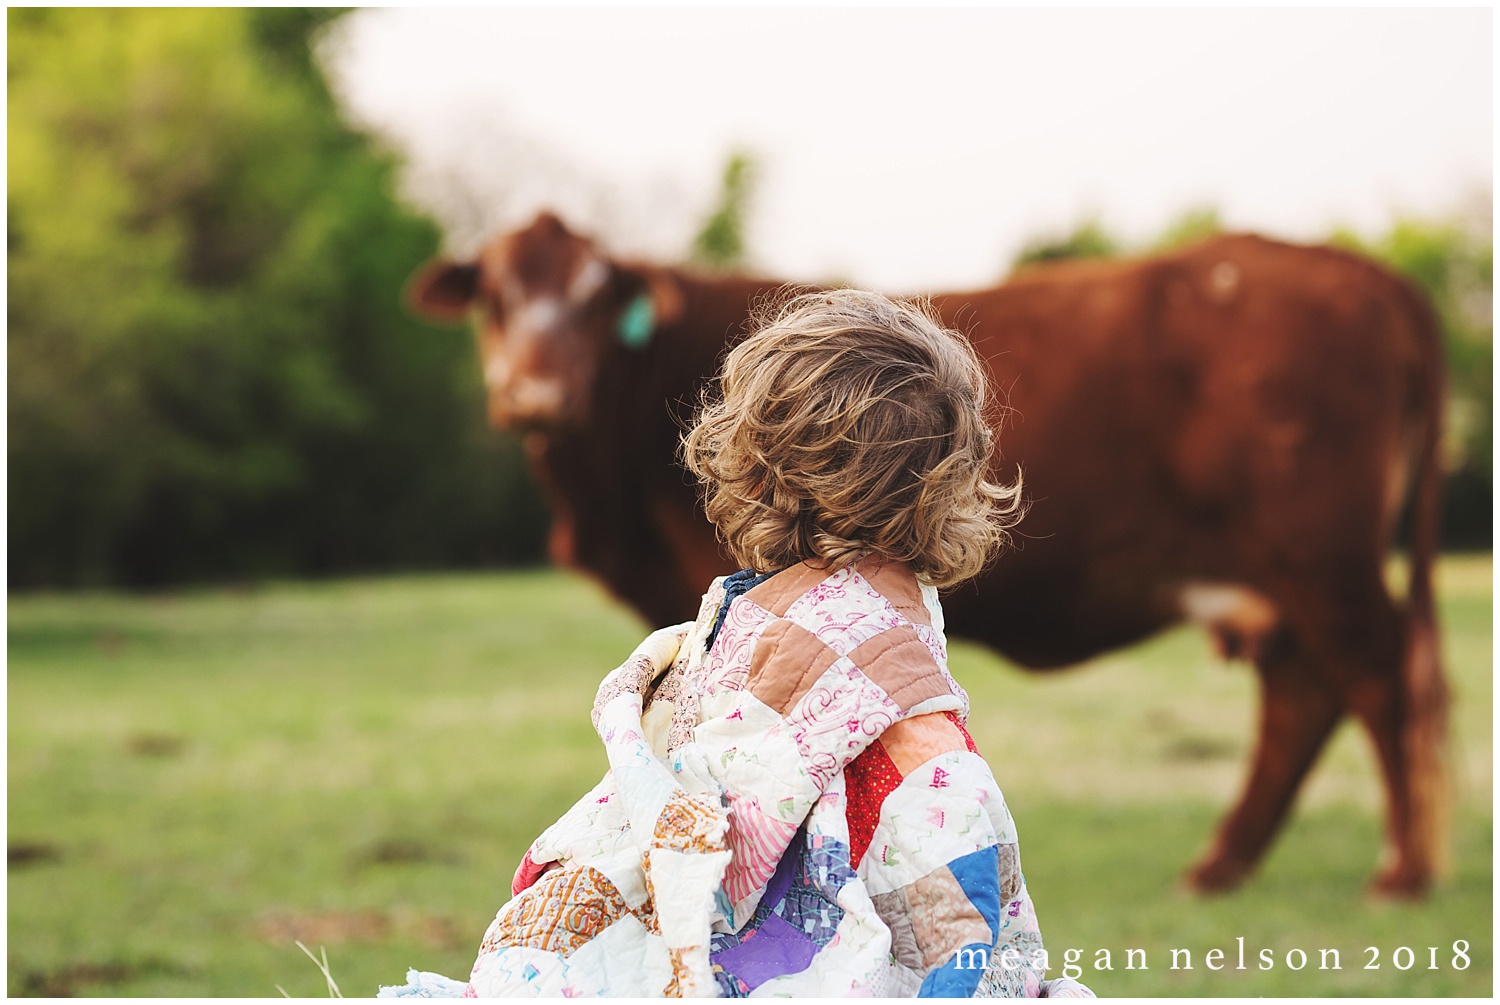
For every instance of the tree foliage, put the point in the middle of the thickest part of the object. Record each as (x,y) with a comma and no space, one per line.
(1087,240)
(720,242)
(210,372)
(1191,227)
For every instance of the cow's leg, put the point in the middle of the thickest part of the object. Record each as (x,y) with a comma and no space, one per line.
(1368,668)
(1406,868)
(1349,654)
(1363,651)
(1299,709)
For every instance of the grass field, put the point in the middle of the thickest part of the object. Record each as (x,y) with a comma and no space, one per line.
(198,779)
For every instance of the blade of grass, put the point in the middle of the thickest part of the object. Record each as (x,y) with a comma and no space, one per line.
(333,988)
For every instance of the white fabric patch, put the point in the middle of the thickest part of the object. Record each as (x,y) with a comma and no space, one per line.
(844,612)
(954,802)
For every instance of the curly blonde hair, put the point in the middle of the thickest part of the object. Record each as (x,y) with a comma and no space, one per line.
(849,422)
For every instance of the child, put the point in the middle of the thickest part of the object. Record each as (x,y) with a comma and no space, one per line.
(793,805)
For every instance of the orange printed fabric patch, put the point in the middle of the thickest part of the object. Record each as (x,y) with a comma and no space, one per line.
(691,824)
(562,911)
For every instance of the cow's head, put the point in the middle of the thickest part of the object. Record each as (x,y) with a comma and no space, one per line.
(549,307)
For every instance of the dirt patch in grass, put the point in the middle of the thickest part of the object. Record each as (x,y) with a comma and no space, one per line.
(334,927)
(405,851)
(24,853)
(154,745)
(70,978)
(1202,748)
(328,927)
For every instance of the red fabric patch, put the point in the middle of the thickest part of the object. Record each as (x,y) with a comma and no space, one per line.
(868,779)
(527,873)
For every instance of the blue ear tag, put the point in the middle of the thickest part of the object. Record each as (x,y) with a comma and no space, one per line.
(638,322)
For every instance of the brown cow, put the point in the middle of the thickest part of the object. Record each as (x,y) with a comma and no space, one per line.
(1226,434)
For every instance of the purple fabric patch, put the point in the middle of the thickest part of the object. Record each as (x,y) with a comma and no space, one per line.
(786,871)
(797,916)
(776,948)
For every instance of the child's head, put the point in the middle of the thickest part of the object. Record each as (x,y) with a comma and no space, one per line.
(850,422)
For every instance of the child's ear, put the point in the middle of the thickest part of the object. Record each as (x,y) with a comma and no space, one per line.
(442,290)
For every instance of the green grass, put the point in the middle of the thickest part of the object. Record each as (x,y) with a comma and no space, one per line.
(198,779)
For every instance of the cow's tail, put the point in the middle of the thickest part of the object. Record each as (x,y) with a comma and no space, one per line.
(1425,726)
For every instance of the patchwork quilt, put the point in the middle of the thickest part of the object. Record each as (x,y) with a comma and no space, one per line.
(792,807)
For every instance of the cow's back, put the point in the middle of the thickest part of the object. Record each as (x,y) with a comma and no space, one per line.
(1211,415)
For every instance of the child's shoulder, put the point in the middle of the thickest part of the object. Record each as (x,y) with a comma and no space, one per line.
(871,617)
(872,584)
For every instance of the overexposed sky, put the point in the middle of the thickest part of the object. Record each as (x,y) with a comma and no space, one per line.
(918,150)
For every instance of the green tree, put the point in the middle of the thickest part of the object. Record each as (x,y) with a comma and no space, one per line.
(720,243)
(1191,227)
(210,372)
(1087,240)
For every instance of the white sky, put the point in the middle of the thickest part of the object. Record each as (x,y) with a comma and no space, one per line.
(911,149)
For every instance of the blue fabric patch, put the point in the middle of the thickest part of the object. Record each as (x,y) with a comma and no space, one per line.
(423,984)
(978,874)
(735,585)
(811,903)
(730,986)
(952,981)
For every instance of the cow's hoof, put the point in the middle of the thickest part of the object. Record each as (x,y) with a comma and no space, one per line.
(1397,883)
(1216,875)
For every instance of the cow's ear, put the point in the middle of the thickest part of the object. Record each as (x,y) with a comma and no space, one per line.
(666,296)
(651,299)
(442,290)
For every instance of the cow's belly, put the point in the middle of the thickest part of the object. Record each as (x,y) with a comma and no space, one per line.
(1045,618)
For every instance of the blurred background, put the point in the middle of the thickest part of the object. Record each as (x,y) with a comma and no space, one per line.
(277,604)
